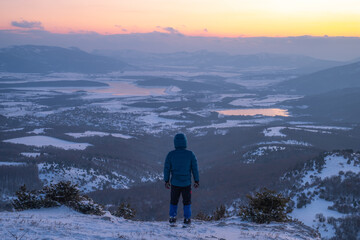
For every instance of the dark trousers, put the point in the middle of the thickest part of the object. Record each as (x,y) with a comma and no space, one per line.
(186,196)
(177,191)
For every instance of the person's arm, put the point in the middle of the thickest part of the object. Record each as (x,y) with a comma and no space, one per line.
(167,167)
(194,169)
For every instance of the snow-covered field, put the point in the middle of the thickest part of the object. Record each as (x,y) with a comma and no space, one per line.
(99,134)
(12,163)
(44,141)
(263,102)
(30,154)
(64,223)
(274,132)
(286,142)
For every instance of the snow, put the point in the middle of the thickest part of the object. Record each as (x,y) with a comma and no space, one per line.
(30,154)
(44,141)
(171,113)
(13,130)
(333,165)
(250,157)
(261,151)
(87,180)
(119,135)
(123,89)
(309,130)
(286,142)
(152,177)
(12,163)
(308,214)
(38,130)
(99,134)
(227,124)
(172,90)
(324,127)
(262,102)
(64,223)
(274,132)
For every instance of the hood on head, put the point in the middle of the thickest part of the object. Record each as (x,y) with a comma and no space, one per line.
(180,141)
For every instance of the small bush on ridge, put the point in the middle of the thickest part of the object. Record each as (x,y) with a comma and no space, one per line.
(125,211)
(219,213)
(266,206)
(62,193)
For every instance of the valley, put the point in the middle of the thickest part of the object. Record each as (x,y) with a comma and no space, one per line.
(110,132)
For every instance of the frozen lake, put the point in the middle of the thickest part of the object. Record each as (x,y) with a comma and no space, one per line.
(128,89)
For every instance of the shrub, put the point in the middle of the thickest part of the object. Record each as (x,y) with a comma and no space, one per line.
(30,199)
(87,206)
(219,213)
(125,211)
(266,206)
(203,216)
(62,193)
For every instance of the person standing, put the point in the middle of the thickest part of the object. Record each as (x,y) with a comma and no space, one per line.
(179,165)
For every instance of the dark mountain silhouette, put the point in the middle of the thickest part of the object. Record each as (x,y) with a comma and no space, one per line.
(346,76)
(206,59)
(42,59)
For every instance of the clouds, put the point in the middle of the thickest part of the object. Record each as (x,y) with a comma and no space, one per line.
(27,24)
(170,30)
(121,27)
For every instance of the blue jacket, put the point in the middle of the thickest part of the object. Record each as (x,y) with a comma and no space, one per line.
(180,163)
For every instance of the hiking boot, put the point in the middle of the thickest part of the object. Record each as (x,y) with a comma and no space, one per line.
(172,220)
(187,221)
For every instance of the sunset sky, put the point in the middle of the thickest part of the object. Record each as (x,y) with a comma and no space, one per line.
(225,18)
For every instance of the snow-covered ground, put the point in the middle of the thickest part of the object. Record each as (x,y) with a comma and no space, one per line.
(87,180)
(251,156)
(310,184)
(64,223)
(38,130)
(99,134)
(44,141)
(30,154)
(274,132)
(286,142)
(12,163)
(263,102)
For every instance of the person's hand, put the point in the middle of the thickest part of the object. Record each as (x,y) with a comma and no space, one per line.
(167,185)
(196,184)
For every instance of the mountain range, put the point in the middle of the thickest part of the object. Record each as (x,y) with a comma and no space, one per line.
(208,60)
(44,59)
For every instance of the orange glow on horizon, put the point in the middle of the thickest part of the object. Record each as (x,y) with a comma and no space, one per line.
(207,18)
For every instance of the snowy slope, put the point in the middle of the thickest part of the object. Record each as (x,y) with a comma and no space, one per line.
(311,194)
(64,223)
(87,180)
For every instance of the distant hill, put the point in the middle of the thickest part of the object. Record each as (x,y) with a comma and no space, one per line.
(346,76)
(42,59)
(205,59)
(340,105)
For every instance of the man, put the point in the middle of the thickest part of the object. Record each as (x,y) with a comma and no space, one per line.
(180,164)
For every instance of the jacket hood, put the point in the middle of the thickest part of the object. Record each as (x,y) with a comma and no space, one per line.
(180,141)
